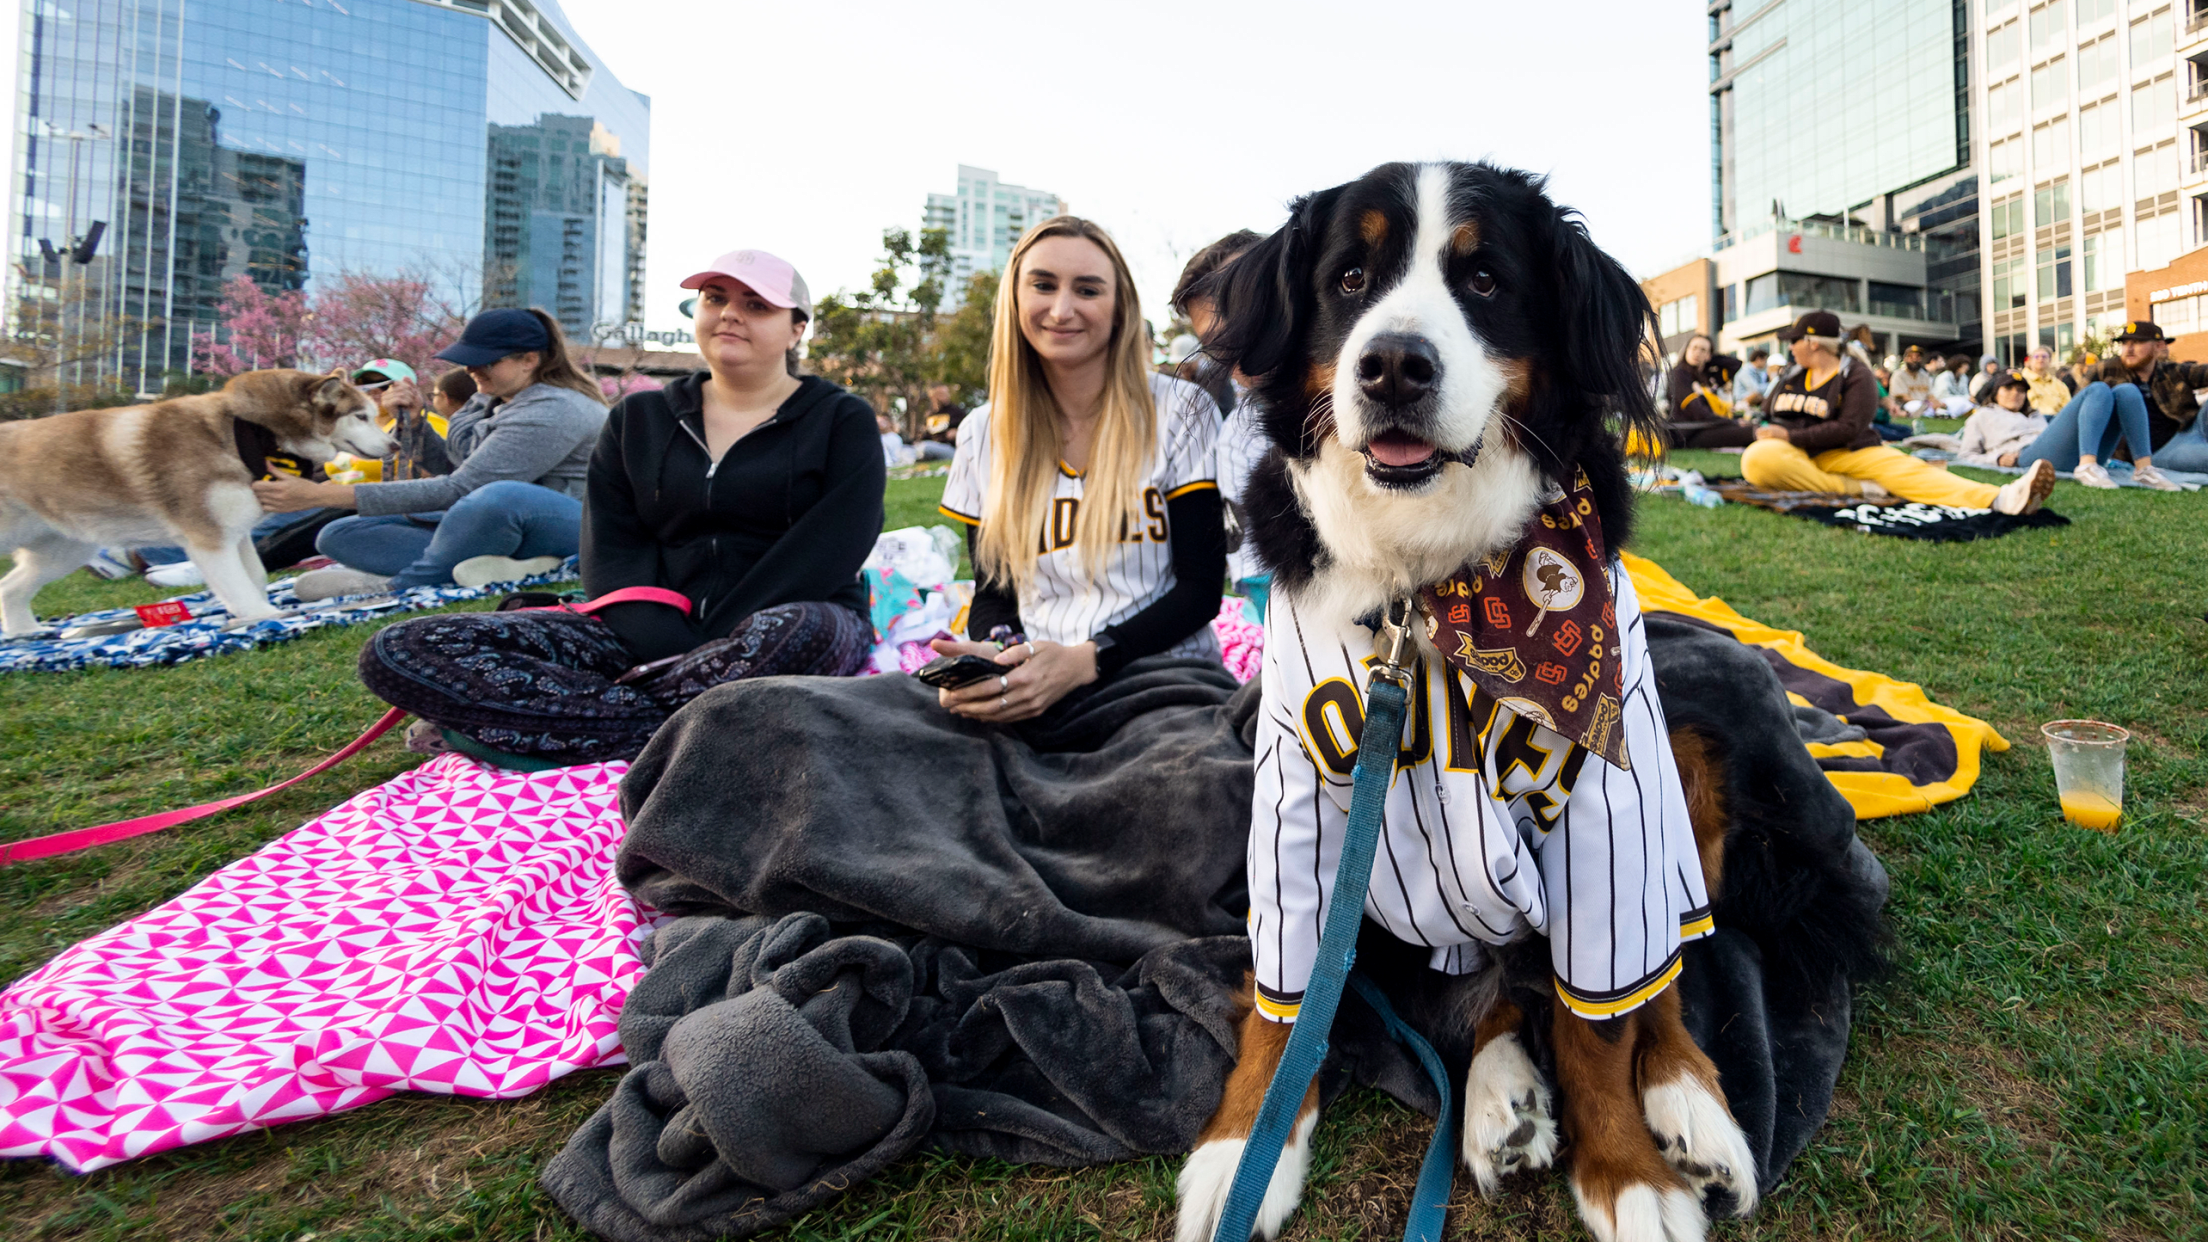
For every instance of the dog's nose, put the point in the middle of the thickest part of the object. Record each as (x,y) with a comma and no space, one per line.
(1398,369)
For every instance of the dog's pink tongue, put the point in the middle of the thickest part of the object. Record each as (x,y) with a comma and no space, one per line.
(1394,448)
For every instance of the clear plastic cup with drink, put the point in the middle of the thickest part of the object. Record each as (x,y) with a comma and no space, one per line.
(2089,770)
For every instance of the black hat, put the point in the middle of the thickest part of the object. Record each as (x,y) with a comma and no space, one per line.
(2014,379)
(495,334)
(1822,324)
(2140,330)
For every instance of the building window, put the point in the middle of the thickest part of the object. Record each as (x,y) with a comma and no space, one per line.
(2008,283)
(1680,315)
(2178,315)
(2005,159)
(2050,86)
(2051,203)
(2102,256)
(1729,304)
(2154,106)
(2099,136)
(2158,240)
(2004,47)
(2058,338)
(1831,293)
(2054,273)
(2101,188)
(2004,105)
(2011,349)
(2094,10)
(1898,301)
(2155,172)
(2047,26)
(1763,292)
(2008,218)
(2150,41)
(2097,67)
(2051,147)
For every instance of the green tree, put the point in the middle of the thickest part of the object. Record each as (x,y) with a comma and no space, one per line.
(961,347)
(877,341)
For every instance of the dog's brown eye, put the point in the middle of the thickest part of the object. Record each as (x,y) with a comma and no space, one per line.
(1353,280)
(1483,283)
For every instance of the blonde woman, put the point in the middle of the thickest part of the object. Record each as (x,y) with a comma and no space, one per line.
(1087,485)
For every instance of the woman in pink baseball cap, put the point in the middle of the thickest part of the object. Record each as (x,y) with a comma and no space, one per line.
(746,489)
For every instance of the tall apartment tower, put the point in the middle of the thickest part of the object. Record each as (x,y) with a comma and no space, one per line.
(2090,170)
(1842,170)
(984,218)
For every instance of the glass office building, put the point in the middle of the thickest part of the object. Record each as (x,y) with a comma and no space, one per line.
(475,143)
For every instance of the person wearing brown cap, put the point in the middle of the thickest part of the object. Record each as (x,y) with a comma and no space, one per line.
(2139,399)
(1819,437)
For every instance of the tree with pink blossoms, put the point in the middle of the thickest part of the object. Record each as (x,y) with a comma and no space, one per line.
(350,320)
(264,331)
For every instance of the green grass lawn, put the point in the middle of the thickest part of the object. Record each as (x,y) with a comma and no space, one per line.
(2036,1067)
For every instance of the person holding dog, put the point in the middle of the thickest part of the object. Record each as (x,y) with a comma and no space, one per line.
(1701,412)
(1087,483)
(1819,437)
(512,505)
(746,491)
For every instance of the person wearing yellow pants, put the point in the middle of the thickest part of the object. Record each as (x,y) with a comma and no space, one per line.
(1819,437)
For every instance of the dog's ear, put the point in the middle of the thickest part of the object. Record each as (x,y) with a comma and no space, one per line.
(1263,297)
(327,392)
(1609,324)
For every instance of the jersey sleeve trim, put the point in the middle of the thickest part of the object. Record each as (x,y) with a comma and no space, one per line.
(1278,1006)
(1696,923)
(1185,488)
(1600,1005)
(956,516)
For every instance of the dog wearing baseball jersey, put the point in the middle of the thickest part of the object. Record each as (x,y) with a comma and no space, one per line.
(1445,362)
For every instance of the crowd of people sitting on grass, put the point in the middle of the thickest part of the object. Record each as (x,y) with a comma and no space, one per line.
(1823,419)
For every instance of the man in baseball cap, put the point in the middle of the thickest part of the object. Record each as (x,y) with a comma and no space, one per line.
(771,278)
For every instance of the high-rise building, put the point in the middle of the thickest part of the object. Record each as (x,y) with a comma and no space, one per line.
(1842,173)
(984,218)
(476,143)
(2087,165)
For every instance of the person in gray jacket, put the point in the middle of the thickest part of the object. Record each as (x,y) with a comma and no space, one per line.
(513,504)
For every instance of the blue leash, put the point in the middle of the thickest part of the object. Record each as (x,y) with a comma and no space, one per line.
(1307,1047)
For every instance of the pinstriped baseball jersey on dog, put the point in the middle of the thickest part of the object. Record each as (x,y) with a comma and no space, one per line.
(1067,604)
(1495,827)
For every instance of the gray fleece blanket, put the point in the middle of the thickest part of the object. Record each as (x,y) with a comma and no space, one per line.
(901,930)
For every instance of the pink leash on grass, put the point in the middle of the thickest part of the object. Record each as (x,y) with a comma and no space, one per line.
(103,834)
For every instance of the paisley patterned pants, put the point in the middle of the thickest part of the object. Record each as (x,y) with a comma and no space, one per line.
(547,683)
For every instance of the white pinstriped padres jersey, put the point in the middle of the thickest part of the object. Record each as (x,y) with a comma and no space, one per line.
(1066,603)
(1242,444)
(1495,826)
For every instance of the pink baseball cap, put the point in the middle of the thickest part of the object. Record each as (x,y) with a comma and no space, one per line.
(768,276)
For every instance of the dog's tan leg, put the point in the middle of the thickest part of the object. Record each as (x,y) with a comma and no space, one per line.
(1684,1106)
(36,564)
(1209,1173)
(1509,1115)
(1626,1192)
(228,578)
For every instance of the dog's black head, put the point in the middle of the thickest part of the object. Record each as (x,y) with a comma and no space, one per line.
(1426,315)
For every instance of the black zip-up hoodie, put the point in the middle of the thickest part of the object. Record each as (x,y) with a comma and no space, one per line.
(786,515)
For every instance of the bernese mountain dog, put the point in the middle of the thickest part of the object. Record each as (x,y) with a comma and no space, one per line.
(1445,365)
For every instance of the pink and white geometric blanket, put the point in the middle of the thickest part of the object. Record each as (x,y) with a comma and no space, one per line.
(456,930)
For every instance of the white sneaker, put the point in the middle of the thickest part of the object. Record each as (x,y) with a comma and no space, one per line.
(477,571)
(334,582)
(178,574)
(2148,476)
(1872,491)
(107,565)
(2093,474)
(2027,491)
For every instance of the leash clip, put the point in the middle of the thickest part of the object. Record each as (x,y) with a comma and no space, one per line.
(1391,642)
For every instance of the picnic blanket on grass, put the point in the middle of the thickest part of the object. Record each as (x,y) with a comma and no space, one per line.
(205,634)
(1905,519)
(455,930)
(1030,952)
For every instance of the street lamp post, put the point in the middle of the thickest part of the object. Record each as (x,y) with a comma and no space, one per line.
(79,250)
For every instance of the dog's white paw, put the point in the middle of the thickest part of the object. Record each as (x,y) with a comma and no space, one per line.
(1641,1213)
(1703,1144)
(1209,1175)
(1508,1122)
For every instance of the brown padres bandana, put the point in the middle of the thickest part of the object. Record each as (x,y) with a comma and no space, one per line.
(1534,625)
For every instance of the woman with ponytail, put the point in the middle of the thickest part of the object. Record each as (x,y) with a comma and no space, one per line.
(1087,486)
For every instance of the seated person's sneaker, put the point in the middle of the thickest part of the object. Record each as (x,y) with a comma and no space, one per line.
(2027,491)
(2148,476)
(1872,491)
(334,582)
(176,574)
(484,570)
(2093,474)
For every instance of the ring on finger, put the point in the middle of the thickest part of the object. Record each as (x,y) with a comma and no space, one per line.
(1030,650)
(1004,702)
(1004,684)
